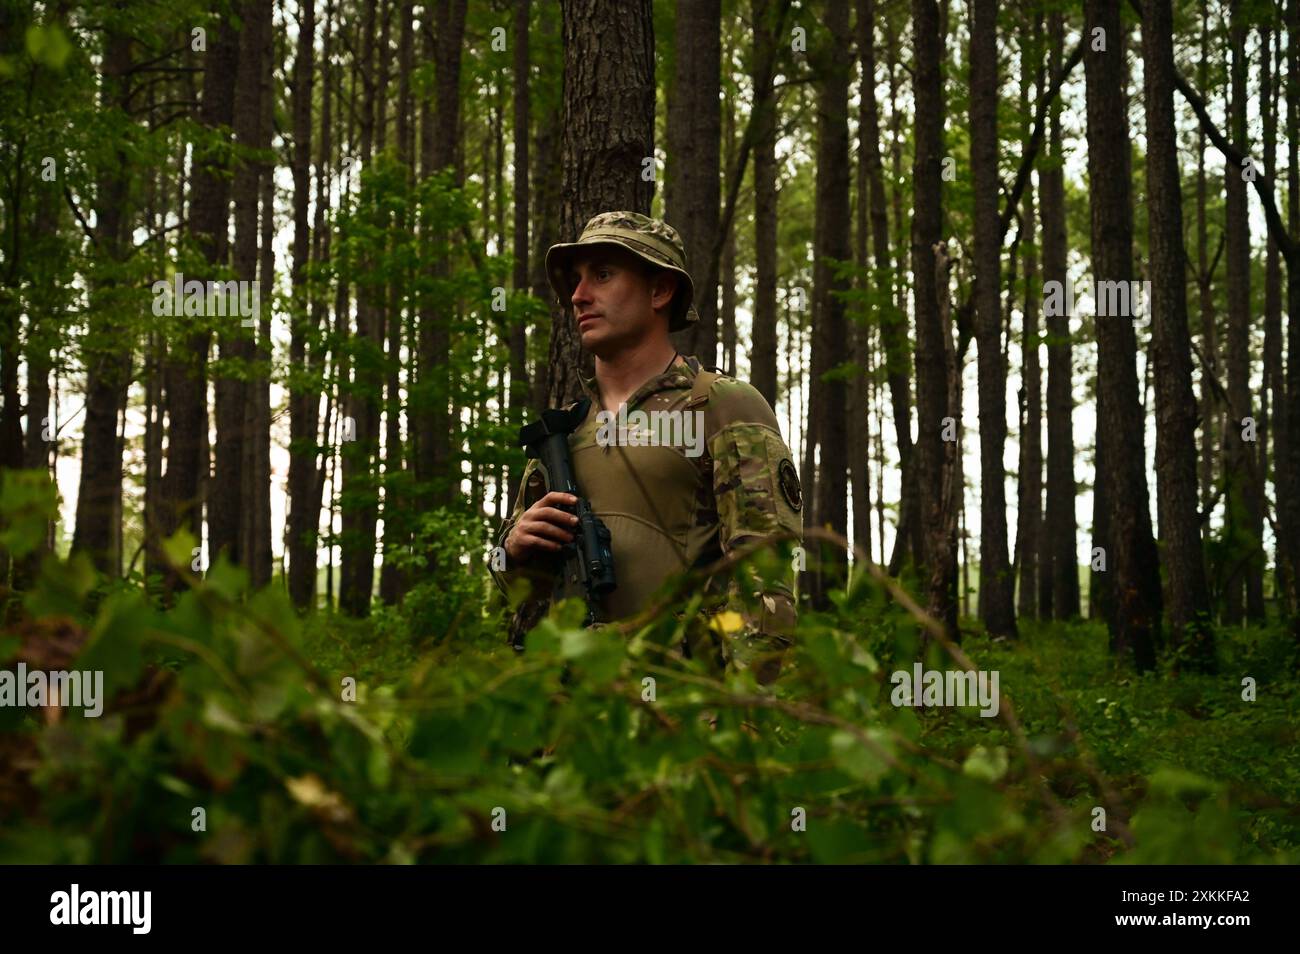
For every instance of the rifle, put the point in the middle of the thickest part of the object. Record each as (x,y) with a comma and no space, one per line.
(588,560)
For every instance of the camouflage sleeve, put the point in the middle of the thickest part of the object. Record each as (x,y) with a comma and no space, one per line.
(756,488)
(507,576)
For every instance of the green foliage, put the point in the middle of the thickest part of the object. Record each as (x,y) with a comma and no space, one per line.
(604,747)
(27,499)
(450,578)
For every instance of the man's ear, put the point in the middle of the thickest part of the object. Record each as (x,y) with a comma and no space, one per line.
(662,288)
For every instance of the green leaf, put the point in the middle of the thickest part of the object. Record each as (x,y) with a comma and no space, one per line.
(986,765)
(48,45)
(856,758)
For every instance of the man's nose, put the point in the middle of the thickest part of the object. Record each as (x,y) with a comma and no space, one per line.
(580,292)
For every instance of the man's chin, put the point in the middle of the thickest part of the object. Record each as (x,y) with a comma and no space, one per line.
(596,340)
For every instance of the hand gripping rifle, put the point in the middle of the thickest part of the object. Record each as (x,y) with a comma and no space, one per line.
(588,559)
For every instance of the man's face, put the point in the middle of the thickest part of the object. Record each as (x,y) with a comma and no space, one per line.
(615,301)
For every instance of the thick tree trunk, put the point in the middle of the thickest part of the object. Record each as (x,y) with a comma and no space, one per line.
(1125,532)
(1190,637)
(935,457)
(609,58)
(227,503)
(832,244)
(996,580)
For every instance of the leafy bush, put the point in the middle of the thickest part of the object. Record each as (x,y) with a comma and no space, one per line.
(592,746)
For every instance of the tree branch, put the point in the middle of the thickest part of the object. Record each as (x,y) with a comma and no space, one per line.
(1239,160)
(763,90)
(72,204)
(1036,140)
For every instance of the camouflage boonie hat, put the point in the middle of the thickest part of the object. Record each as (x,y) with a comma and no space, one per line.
(650,239)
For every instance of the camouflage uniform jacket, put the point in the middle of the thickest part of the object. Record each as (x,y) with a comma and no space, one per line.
(670,509)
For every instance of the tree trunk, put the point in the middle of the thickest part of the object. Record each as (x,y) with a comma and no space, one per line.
(393,582)
(303,517)
(360,485)
(1125,532)
(859,395)
(433,458)
(832,244)
(1288,461)
(935,457)
(692,190)
(1209,405)
(257,444)
(186,372)
(762,372)
(1242,523)
(727,268)
(996,580)
(609,59)
(1272,417)
(546,98)
(1029,505)
(1190,636)
(520,387)
(107,354)
(40,452)
(893,320)
(227,503)
(1059,556)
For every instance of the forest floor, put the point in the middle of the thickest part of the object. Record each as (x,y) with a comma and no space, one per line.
(1063,681)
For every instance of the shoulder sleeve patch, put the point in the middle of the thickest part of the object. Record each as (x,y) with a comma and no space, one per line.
(788,478)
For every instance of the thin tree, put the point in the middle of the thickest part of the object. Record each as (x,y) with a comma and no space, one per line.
(764,343)
(520,387)
(1029,505)
(302,516)
(893,320)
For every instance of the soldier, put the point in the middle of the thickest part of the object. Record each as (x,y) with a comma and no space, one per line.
(722,476)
